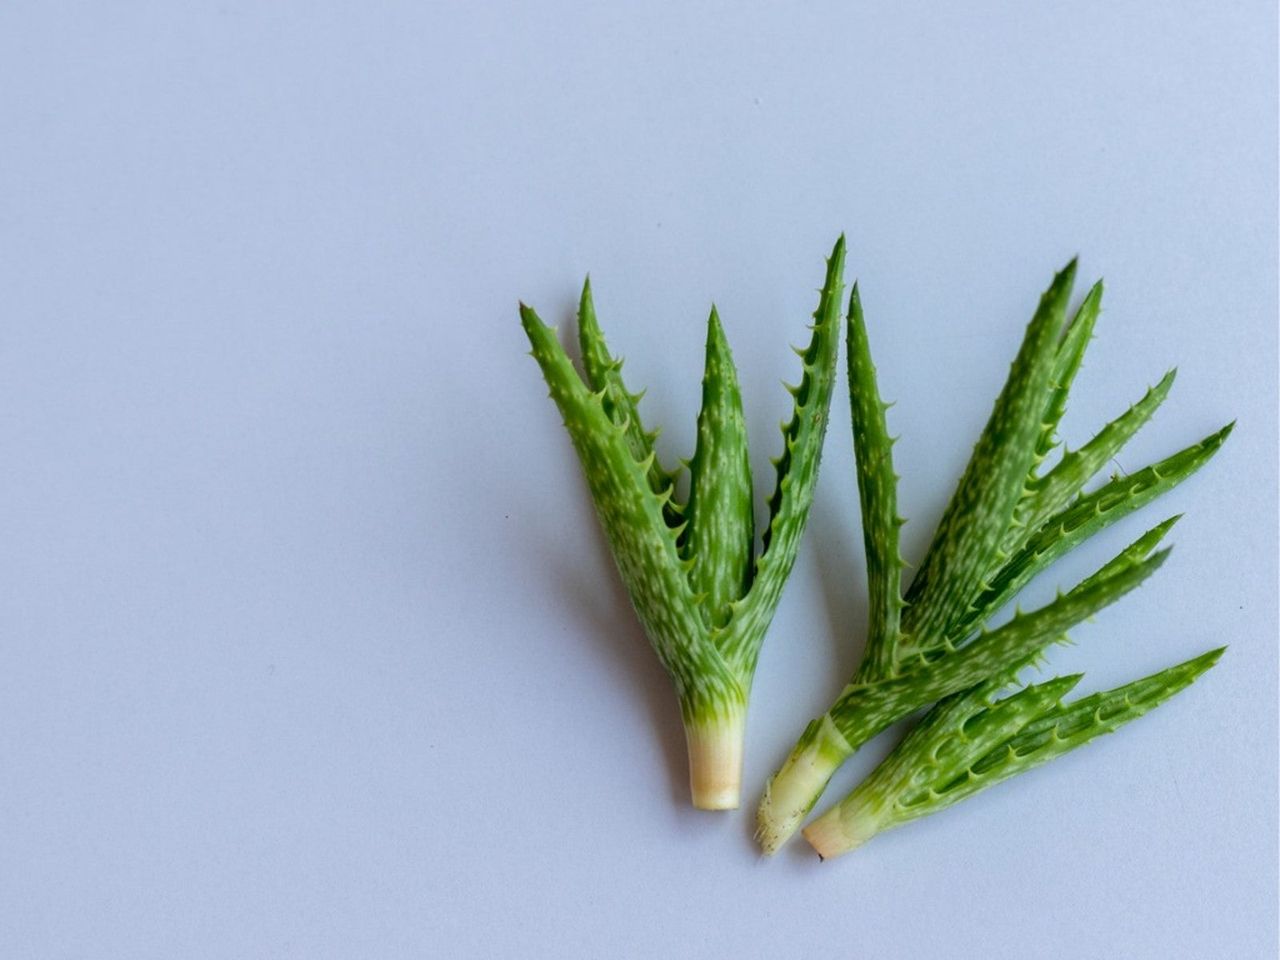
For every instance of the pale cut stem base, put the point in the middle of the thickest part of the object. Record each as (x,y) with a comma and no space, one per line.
(794,789)
(715,761)
(832,834)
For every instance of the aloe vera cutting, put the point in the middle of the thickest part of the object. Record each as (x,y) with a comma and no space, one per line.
(1008,520)
(971,741)
(703,594)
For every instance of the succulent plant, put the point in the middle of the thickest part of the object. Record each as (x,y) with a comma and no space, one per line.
(702,592)
(1008,520)
(971,740)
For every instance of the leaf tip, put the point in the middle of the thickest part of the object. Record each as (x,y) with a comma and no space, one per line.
(715,330)
(1070,681)
(1213,656)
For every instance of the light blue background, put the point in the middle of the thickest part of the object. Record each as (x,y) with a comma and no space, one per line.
(311,645)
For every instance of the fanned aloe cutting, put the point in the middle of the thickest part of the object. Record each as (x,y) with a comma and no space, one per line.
(1007,521)
(702,594)
(970,740)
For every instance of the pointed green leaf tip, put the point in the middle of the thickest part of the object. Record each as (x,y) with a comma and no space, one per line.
(1007,522)
(704,599)
(1070,356)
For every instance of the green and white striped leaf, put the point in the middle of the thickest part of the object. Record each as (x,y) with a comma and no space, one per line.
(877,492)
(966,745)
(797,475)
(966,544)
(1066,365)
(604,376)
(643,546)
(1047,494)
(1067,362)
(1072,725)
(721,531)
(1090,514)
(863,710)
(920,775)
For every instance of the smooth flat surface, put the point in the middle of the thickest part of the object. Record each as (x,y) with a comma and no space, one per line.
(311,645)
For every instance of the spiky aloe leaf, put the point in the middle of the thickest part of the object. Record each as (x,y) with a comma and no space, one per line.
(1072,725)
(797,475)
(969,535)
(1049,493)
(1090,514)
(865,709)
(938,750)
(1131,556)
(966,744)
(629,510)
(721,531)
(604,376)
(1132,565)
(702,599)
(877,492)
(1066,365)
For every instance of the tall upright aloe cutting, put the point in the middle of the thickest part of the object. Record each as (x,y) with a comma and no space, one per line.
(702,594)
(1007,521)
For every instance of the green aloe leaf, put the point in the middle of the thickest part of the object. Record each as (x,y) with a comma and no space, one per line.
(721,531)
(1070,357)
(1049,493)
(1066,364)
(797,475)
(877,491)
(629,509)
(969,535)
(604,376)
(1072,725)
(1089,515)
(969,743)
(863,710)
